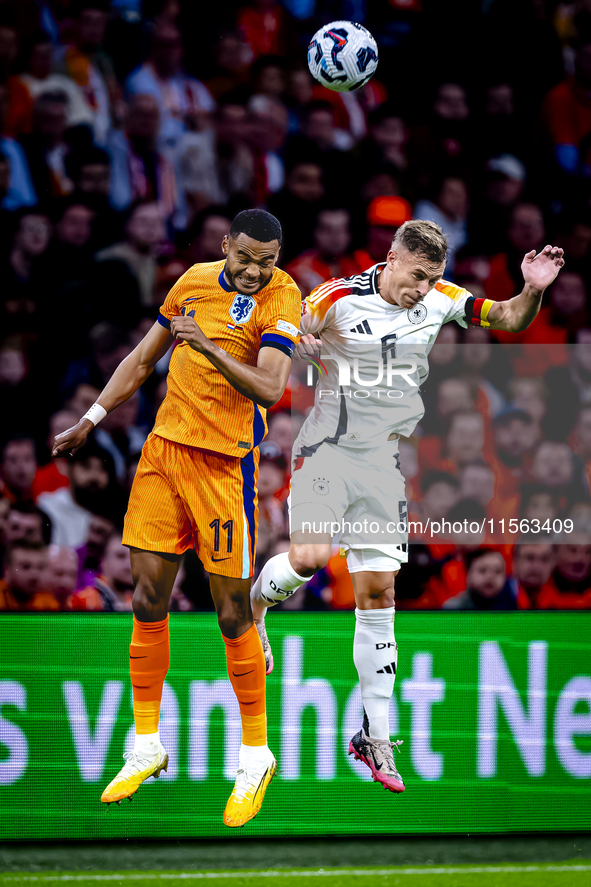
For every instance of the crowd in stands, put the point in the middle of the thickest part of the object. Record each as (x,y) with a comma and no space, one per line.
(130,135)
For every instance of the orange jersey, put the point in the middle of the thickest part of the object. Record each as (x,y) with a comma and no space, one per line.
(201,408)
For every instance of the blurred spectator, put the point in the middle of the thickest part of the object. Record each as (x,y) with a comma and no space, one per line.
(104,521)
(89,168)
(90,471)
(465,439)
(567,116)
(120,436)
(583,439)
(267,77)
(324,143)
(446,138)
(54,474)
(17,387)
(440,493)
(262,24)
(271,519)
(281,431)
(386,144)
(570,584)
(138,170)
(486,366)
(538,503)
(329,257)
(107,347)
(526,231)
(487,588)
(135,258)
(38,79)
(183,101)
(90,67)
(20,190)
(215,164)
(448,208)
(384,216)
(31,239)
(26,521)
(553,465)
(20,588)
(500,126)
(83,398)
(504,180)
(18,467)
(208,231)
(297,205)
(267,131)
(60,576)
(477,482)
(113,588)
(514,437)
(532,567)
(232,59)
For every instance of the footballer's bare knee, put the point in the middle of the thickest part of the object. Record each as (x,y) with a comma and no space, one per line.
(153,579)
(307,558)
(373,590)
(232,602)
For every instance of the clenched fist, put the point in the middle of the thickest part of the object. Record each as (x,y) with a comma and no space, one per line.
(72,438)
(186,330)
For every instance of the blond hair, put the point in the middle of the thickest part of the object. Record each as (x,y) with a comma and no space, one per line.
(426,239)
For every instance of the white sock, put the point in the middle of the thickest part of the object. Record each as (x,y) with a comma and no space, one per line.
(253,757)
(375,654)
(147,743)
(277,581)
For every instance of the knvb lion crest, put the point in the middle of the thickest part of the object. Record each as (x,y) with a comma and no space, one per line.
(242,308)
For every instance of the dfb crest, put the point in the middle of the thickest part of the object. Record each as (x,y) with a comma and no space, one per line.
(241,308)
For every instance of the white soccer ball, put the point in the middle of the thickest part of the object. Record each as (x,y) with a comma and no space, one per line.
(342,56)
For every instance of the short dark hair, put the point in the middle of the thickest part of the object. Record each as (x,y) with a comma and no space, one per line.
(28,507)
(434,476)
(76,160)
(258,224)
(18,437)
(473,556)
(466,510)
(25,545)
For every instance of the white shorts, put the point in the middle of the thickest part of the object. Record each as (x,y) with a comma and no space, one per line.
(358,497)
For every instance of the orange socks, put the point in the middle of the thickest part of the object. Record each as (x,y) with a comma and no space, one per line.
(149,657)
(246,669)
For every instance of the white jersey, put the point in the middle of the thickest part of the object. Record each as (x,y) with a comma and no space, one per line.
(374,358)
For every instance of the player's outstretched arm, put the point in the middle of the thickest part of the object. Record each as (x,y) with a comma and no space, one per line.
(539,271)
(264,383)
(125,381)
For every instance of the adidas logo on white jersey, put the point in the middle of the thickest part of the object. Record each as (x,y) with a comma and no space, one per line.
(361,328)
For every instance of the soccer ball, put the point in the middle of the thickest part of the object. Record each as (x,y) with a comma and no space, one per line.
(342,56)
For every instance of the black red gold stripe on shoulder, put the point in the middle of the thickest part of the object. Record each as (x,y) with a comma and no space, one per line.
(477,311)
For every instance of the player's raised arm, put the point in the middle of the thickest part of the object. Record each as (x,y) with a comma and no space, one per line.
(125,381)
(539,271)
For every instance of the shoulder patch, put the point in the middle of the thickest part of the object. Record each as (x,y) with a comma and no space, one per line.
(450,290)
(287,327)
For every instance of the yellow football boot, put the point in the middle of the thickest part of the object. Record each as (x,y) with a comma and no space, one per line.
(138,767)
(247,795)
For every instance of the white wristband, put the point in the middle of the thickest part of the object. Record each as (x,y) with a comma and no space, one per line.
(96,414)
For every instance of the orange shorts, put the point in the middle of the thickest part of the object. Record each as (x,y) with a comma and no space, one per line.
(183,497)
